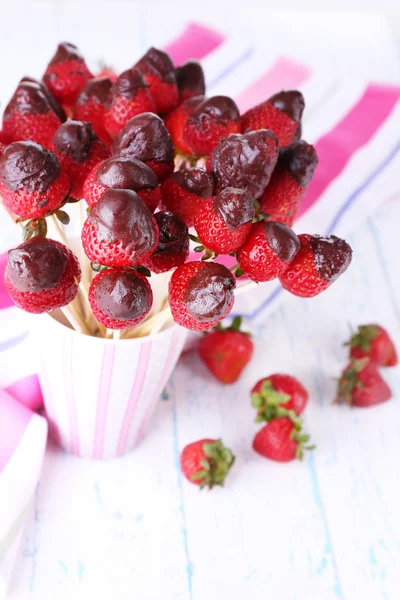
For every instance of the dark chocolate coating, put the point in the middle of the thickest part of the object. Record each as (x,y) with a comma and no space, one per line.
(75,139)
(122,173)
(95,89)
(127,85)
(66,51)
(28,98)
(121,216)
(332,256)
(221,108)
(190,76)
(28,166)
(51,99)
(122,295)
(36,265)
(209,292)
(282,240)
(195,181)
(174,235)
(301,160)
(291,102)
(235,207)
(145,137)
(157,62)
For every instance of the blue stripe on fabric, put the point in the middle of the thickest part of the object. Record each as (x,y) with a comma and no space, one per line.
(15,341)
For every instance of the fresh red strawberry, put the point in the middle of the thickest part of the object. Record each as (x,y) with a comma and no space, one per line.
(173,245)
(362,385)
(282,113)
(284,193)
(78,150)
(318,263)
(227,351)
(146,138)
(66,74)
(159,74)
(120,231)
(107,72)
(31,182)
(184,190)
(206,462)
(278,391)
(120,298)
(29,115)
(122,174)
(91,106)
(42,275)
(245,161)
(201,294)
(176,120)
(373,341)
(210,122)
(190,80)
(224,223)
(281,440)
(268,250)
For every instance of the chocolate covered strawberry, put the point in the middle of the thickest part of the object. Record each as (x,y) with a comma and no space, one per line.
(282,440)
(129,96)
(32,184)
(159,74)
(78,150)
(184,190)
(201,294)
(245,161)
(123,174)
(281,113)
(91,106)
(55,105)
(120,298)
(375,342)
(190,80)
(42,275)
(318,263)
(206,462)
(173,245)
(285,191)
(223,223)
(278,391)
(268,250)
(146,138)
(120,231)
(362,385)
(66,74)
(176,120)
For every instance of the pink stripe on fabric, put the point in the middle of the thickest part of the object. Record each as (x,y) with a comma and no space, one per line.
(336,148)
(134,397)
(196,41)
(284,74)
(14,419)
(5,299)
(71,404)
(102,400)
(27,391)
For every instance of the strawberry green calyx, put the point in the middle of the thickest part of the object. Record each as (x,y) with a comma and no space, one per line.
(302,440)
(363,338)
(268,401)
(215,466)
(350,380)
(234,326)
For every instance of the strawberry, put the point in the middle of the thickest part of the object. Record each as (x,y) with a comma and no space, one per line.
(91,106)
(284,193)
(282,440)
(55,105)
(245,161)
(122,174)
(373,341)
(268,250)
(129,96)
(201,294)
(42,275)
(278,391)
(184,190)
(146,138)
(211,121)
(78,150)
(318,263)
(227,351)
(31,182)
(66,74)
(173,245)
(29,114)
(120,298)
(190,80)
(176,120)
(282,113)
(206,462)
(362,385)
(159,74)
(224,223)
(120,231)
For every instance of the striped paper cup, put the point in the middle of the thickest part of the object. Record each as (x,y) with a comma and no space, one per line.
(100,394)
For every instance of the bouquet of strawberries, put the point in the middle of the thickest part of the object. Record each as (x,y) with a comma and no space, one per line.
(158,165)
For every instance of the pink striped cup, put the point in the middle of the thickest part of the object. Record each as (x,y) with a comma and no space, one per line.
(100,394)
